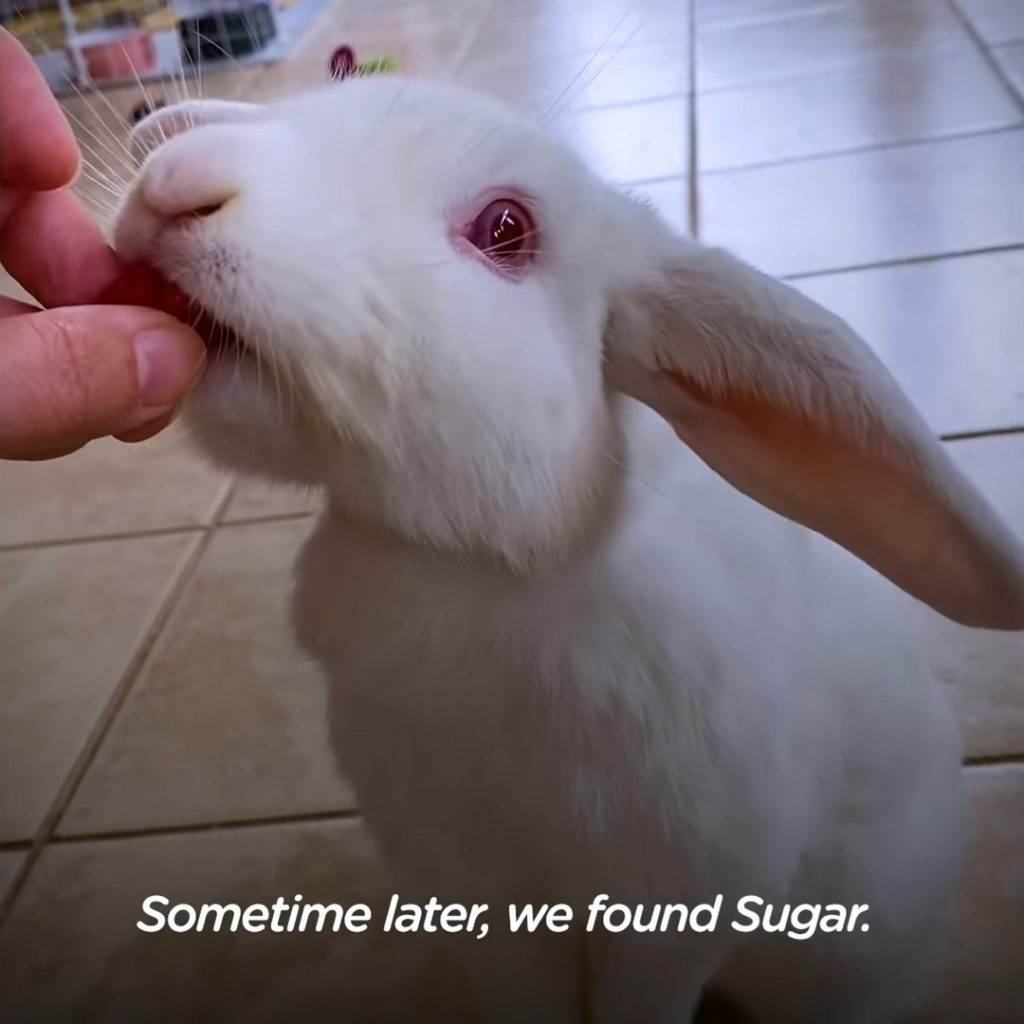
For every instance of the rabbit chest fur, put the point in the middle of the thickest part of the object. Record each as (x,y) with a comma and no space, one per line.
(709,699)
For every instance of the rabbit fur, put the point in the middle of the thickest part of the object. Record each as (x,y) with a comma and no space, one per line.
(568,648)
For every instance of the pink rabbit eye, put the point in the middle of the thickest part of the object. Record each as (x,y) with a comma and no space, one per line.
(504,232)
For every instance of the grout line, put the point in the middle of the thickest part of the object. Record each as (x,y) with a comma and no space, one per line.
(904,261)
(772,18)
(664,97)
(868,147)
(986,53)
(270,517)
(233,825)
(993,760)
(857,63)
(99,538)
(15,845)
(101,727)
(159,531)
(693,157)
(971,435)
(223,494)
(691,89)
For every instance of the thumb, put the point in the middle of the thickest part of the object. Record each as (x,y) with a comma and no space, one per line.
(73,374)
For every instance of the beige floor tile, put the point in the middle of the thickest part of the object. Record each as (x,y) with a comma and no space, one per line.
(287,78)
(227,721)
(1011,60)
(539,87)
(714,15)
(950,331)
(420,43)
(70,620)
(997,21)
(894,100)
(221,80)
(109,488)
(634,74)
(565,29)
(984,670)
(860,208)
(408,16)
(982,982)
(630,143)
(669,198)
(578,81)
(71,949)
(9,864)
(825,38)
(255,499)
(111,109)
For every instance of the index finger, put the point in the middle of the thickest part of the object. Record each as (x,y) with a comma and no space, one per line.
(47,241)
(37,147)
(50,245)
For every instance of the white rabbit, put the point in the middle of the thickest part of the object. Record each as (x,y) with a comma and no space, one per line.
(565,656)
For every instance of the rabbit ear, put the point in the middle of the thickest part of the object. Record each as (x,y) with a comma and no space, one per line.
(783,400)
(166,122)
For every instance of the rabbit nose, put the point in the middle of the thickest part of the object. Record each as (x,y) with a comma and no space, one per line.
(194,175)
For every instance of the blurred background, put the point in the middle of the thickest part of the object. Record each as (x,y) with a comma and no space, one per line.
(86,43)
(158,733)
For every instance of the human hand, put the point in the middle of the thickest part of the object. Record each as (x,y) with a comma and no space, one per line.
(71,372)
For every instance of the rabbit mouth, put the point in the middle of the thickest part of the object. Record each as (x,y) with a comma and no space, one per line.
(140,284)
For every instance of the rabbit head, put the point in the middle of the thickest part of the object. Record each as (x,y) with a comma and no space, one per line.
(411,278)
(432,309)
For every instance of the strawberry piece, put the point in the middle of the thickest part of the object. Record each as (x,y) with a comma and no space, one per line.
(141,285)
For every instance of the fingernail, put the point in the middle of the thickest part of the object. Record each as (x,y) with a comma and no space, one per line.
(145,423)
(144,415)
(167,366)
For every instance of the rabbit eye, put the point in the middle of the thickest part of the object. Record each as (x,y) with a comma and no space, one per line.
(504,232)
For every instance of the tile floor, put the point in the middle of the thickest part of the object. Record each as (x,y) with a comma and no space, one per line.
(157,730)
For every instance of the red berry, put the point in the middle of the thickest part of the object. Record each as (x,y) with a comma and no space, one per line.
(343,62)
(141,285)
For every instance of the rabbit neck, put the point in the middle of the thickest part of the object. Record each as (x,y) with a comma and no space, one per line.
(404,505)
